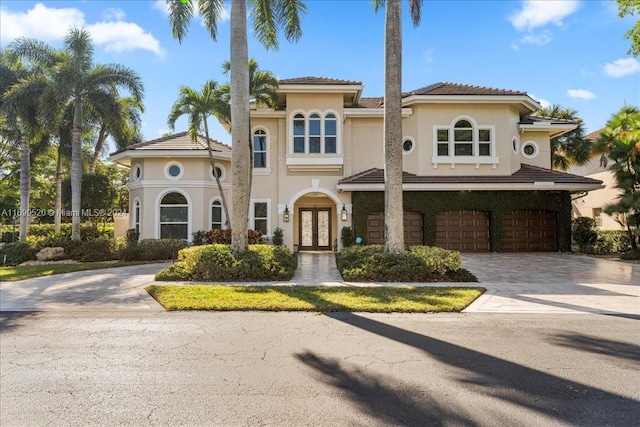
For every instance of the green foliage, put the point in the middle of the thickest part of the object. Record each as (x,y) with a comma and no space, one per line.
(278,236)
(17,253)
(631,255)
(569,148)
(217,263)
(96,250)
(609,242)
(153,250)
(223,237)
(584,231)
(416,264)
(496,203)
(98,192)
(132,236)
(346,237)
(199,237)
(630,8)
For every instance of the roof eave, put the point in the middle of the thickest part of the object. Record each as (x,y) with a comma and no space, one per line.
(496,186)
(526,103)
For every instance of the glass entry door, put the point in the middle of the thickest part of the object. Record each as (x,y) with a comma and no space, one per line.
(315,229)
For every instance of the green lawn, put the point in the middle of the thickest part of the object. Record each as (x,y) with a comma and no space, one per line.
(314,298)
(12,274)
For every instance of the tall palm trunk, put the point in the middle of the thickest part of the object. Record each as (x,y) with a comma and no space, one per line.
(57,220)
(215,175)
(239,125)
(25,185)
(102,137)
(76,169)
(393,210)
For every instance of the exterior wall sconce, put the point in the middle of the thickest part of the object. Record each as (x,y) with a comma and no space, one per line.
(285,215)
(343,213)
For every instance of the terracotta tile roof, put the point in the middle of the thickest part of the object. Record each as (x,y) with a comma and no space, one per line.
(445,88)
(375,102)
(593,135)
(526,174)
(177,141)
(310,80)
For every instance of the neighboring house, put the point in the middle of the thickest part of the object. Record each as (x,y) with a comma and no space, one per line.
(477,171)
(593,203)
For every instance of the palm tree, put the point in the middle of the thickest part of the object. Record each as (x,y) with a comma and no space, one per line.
(199,106)
(121,122)
(269,16)
(570,148)
(393,209)
(620,139)
(80,82)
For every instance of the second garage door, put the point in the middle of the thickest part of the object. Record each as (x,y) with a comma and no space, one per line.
(463,230)
(412,228)
(530,230)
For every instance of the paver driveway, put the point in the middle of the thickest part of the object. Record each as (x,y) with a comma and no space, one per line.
(555,283)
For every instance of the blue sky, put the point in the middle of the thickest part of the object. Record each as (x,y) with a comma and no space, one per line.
(566,52)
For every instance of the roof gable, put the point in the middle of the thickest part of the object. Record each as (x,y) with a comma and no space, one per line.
(177,141)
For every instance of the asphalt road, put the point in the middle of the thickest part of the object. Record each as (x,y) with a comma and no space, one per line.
(294,369)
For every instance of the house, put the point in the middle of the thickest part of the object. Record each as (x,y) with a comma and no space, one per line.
(477,171)
(593,203)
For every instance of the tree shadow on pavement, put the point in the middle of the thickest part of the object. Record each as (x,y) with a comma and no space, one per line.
(393,405)
(592,344)
(564,400)
(10,320)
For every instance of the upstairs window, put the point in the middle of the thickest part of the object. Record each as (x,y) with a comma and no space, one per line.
(315,133)
(463,141)
(259,149)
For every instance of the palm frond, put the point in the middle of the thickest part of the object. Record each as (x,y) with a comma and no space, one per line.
(180,15)
(211,11)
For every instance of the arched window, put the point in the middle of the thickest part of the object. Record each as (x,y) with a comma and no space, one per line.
(174,216)
(463,138)
(314,133)
(217,215)
(299,131)
(464,141)
(330,133)
(259,149)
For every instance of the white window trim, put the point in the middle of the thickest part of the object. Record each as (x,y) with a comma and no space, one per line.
(261,171)
(189,210)
(222,216)
(535,153)
(322,115)
(223,174)
(134,171)
(137,221)
(413,145)
(475,159)
(516,148)
(252,214)
(172,163)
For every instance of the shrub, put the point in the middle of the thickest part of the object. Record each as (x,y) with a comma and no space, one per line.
(347,237)
(223,237)
(217,263)
(199,237)
(278,235)
(95,250)
(584,231)
(613,241)
(631,255)
(416,264)
(132,236)
(17,253)
(9,236)
(87,231)
(153,250)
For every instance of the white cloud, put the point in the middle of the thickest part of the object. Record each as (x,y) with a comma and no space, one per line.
(586,72)
(162,6)
(622,67)
(124,36)
(543,102)
(113,14)
(537,39)
(581,94)
(40,22)
(538,13)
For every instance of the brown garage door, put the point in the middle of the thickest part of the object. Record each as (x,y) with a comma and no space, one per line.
(530,230)
(463,230)
(412,228)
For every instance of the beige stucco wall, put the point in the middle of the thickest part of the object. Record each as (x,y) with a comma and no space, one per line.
(541,139)
(598,199)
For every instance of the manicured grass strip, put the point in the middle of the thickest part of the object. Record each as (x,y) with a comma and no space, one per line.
(314,298)
(12,274)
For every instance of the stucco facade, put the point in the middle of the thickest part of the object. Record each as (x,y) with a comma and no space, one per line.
(316,149)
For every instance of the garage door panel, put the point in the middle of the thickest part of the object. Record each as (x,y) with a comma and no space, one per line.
(463,230)
(530,230)
(412,222)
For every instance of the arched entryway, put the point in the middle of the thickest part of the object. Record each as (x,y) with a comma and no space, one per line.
(317,219)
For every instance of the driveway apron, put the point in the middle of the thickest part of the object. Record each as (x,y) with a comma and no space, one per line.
(107,289)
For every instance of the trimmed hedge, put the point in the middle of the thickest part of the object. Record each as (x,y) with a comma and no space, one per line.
(87,231)
(16,253)
(153,250)
(216,263)
(416,264)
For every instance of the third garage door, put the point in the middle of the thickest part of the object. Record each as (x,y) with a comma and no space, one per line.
(463,230)
(530,230)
